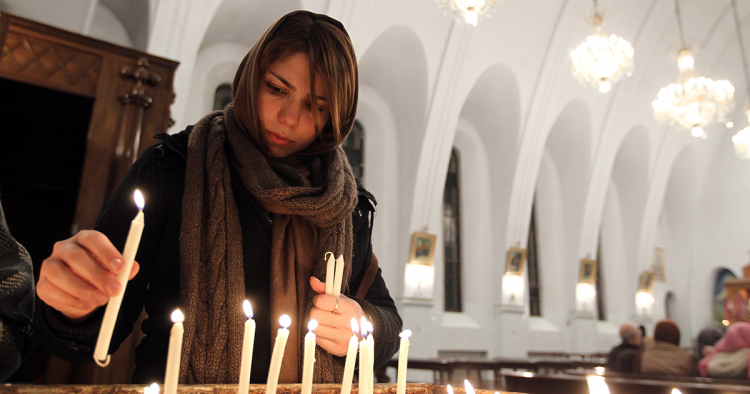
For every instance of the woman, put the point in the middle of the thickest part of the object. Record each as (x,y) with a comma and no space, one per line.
(258,192)
(730,359)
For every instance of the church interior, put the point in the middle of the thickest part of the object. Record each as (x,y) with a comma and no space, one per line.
(520,210)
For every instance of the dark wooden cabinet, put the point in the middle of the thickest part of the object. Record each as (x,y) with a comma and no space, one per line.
(75,113)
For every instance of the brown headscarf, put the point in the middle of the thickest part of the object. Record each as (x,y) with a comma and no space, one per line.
(311,216)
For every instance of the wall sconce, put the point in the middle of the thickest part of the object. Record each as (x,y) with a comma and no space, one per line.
(585,297)
(644,303)
(513,290)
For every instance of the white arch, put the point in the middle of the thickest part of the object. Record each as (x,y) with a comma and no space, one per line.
(381,163)
(214,66)
(396,68)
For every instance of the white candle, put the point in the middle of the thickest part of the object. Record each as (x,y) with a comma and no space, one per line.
(449,389)
(278,354)
(248,341)
(330,272)
(363,358)
(308,363)
(153,389)
(403,357)
(351,356)
(370,358)
(101,352)
(337,276)
(172,376)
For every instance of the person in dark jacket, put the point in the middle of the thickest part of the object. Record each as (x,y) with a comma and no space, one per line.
(245,204)
(622,356)
(16,302)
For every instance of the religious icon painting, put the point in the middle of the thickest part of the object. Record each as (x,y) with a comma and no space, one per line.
(660,274)
(587,271)
(515,261)
(422,249)
(646,282)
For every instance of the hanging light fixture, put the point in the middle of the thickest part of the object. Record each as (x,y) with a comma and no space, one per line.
(601,60)
(468,11)
(693,101)
(741,140)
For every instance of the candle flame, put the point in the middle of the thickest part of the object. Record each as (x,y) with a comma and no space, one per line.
(248,309)
(153,389)
(177,316)
(138,197)
(363,326)
(468,388)
(312,325)
(528,374)
(405,334)
(285,321)
(355,326)
(449,388)
(370,328)
(599,371)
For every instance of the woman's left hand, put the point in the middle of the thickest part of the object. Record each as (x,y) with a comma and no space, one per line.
(334,326)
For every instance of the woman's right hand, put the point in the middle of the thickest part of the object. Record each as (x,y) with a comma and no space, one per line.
(80,275)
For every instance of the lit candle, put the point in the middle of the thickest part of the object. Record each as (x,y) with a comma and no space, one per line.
(337,276)
(248,341)
(370,358)
(468,388)
(172,376)
(308,363)
(101,352)
(449,388)
(351,356)
(278,353)
(330,272)
(363,358)
(403,356)
(153,389)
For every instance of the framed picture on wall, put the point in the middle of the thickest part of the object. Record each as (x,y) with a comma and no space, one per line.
(646,282)
(587,271)
(515,261)
(660,269)
(422,249)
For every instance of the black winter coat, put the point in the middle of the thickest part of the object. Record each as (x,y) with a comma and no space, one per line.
(160,175)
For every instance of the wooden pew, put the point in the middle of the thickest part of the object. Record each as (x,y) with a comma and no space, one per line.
(576,384)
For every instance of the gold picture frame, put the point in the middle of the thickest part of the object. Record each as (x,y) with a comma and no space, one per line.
(587,271)
(515,261)
(422,249)
(646,282)
(659,266)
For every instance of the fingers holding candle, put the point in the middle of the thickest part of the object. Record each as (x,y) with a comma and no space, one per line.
(78,276)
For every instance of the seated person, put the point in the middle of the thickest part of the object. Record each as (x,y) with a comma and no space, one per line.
(665,357)
(730,359)
(622,356)
(16,304)
(704,343)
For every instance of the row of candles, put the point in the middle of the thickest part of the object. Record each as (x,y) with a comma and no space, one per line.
(366,355)
(334,274)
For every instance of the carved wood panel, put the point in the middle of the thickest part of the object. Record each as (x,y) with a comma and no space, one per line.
(35,61)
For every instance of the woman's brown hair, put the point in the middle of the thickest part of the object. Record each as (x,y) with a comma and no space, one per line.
(331,54)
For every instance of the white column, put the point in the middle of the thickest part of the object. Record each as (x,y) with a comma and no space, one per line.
(177,33)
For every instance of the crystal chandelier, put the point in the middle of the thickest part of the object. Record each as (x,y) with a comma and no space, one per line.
(468,11)
(693,101)
(602,60)
(741,140)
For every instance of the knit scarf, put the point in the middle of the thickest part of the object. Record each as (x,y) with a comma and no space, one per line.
(312,214)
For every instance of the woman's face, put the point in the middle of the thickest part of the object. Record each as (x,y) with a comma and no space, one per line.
(285,106)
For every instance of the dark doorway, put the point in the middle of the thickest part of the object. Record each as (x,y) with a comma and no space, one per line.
(42,148)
